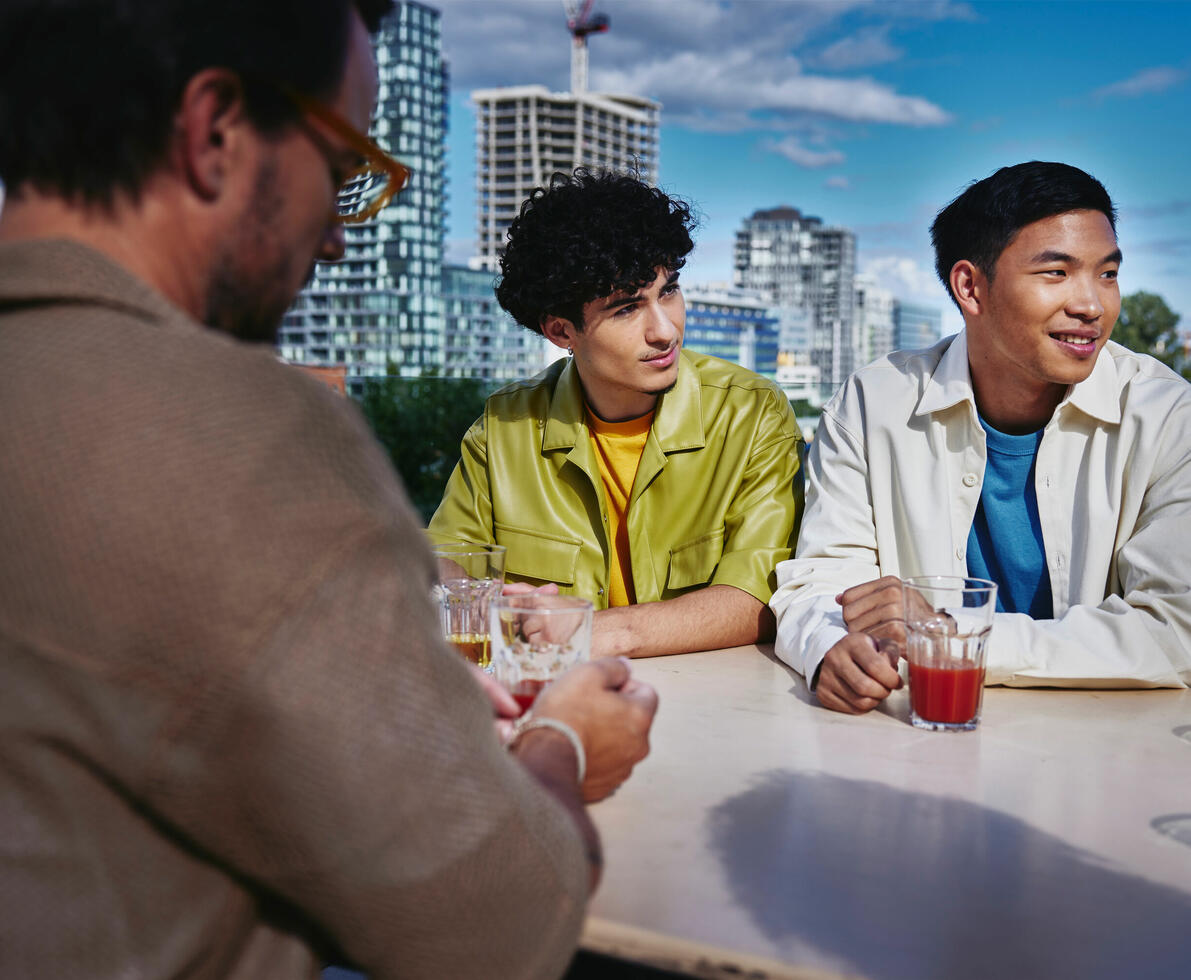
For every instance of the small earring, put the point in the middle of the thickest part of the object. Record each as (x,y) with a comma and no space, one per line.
(570,352)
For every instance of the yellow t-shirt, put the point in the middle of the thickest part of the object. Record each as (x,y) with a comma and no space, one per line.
(618,447)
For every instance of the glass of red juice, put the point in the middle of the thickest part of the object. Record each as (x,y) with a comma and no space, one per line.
(535,638)
(948,621)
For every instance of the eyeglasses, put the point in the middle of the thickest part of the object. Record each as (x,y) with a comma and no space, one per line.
(371,186)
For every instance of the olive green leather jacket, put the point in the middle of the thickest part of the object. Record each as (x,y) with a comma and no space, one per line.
(717,498)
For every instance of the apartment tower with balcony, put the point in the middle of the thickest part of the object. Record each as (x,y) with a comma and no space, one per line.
(526,133)
(794,262)
(382,303)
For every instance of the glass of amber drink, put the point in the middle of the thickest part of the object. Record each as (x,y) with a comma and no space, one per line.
(948,621)
(470,576)
(535,638)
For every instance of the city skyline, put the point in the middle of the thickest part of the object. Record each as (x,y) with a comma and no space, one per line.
(869,116)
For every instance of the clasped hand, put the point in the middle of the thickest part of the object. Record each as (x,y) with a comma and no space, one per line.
(860,671)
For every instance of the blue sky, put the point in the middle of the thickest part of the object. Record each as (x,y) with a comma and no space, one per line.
(870,115)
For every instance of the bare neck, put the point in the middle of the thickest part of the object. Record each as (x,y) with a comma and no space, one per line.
(141,235)
(1011,405)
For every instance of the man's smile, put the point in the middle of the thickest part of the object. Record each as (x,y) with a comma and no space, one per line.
(1080,343)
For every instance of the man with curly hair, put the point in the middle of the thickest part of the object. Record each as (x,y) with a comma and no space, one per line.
(660,484)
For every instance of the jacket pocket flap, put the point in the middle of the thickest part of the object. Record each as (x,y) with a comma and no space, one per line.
(532,554)
(694,562)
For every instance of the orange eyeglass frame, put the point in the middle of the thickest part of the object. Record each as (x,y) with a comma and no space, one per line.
(375,159)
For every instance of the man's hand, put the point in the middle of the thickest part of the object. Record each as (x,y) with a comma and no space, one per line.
(611,713)
(503,706)
(524,588)
(876,608)
(855,676)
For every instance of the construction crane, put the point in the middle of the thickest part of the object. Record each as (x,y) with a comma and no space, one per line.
(581,22)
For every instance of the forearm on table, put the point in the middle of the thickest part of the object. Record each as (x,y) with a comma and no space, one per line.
(1110,645)
(550,759)
(708,619)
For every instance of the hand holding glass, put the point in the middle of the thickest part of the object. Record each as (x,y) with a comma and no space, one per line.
(535,638)
(948,620)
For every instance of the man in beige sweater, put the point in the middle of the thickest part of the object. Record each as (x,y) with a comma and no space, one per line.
(232,743)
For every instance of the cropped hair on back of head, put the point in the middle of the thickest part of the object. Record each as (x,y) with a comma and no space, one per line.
(980,224)
(587,235)
(89,88)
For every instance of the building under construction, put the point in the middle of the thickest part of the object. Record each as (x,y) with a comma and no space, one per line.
(526,133)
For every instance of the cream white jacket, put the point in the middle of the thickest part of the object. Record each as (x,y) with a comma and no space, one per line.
(894,477)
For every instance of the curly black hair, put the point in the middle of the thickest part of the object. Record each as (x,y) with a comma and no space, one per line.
(587,235)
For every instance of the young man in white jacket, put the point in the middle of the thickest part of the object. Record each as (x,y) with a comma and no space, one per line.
(1027,449)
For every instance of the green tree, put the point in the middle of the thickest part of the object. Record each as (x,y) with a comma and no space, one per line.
(1149,326)
(420,421)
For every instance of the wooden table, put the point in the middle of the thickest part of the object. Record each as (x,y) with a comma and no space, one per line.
(768,837)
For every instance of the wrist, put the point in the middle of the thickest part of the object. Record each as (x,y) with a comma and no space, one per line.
(530,726)
(612,632)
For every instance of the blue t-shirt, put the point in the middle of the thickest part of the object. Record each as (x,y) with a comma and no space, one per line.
(1013,556)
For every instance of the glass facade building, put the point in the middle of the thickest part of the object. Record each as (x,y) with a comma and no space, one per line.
(382,303)
(734,326)
(916,325)
(480,339)
(874,319)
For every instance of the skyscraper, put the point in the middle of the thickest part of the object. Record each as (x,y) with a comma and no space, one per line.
(382,303)
(526,133)
(874,319)
(916,325)
(792,260)
(480,340)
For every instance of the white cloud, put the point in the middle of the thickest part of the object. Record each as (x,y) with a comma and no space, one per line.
(736,81)
(904,276)
(713,64)
(1143,83)
(838,182)
(868,47)
(912,280)
(790,148)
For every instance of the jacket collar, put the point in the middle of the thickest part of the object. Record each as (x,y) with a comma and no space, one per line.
(1099,394)
(951,383)
(677,422)
(60,270)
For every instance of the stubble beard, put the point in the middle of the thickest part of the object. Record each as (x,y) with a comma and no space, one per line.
(244,297)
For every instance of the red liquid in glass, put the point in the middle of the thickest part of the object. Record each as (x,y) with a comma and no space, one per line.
(950,696)
(526,692)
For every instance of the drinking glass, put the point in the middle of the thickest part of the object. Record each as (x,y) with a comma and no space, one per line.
(535,638)
(469,577)
(948,620)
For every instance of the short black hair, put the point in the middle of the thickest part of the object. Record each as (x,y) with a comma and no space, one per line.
(980,224)
(89,88)
(587,235)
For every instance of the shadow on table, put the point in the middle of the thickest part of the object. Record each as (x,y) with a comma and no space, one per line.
(902,884)
(586,966)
